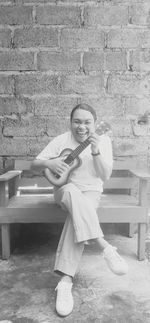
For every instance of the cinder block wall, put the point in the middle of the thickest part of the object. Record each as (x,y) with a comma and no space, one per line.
(55,54)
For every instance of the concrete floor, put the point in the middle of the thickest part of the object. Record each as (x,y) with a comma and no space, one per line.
(27,283)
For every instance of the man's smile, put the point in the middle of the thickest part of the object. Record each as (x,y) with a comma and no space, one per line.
(81,134)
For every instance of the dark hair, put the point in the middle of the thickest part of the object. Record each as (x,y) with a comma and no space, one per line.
(83,106)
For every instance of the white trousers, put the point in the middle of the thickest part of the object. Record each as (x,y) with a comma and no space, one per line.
(81,225)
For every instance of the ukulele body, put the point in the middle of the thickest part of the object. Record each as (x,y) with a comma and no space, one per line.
(59,180)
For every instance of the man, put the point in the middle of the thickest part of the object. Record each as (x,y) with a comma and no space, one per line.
(79,195)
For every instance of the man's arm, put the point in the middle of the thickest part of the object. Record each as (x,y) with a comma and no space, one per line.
(39,165)
(102,165)
(102,169)
(56,165)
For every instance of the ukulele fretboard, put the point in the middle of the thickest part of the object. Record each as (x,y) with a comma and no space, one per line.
(74,154)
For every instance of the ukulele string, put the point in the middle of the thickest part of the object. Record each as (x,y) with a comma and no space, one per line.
(79,149)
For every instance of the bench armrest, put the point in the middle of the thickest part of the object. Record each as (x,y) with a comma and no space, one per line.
(8,186)
(9,175)
(143,177)
(141,174)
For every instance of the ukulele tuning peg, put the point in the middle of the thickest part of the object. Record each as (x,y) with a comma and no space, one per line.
(103,127)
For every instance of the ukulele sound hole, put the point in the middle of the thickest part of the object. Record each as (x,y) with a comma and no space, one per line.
(69,160)
(57,175)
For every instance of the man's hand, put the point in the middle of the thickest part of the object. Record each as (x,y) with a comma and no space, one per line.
(57,165)
(94,140)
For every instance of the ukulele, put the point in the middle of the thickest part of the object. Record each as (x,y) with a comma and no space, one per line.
(71,158)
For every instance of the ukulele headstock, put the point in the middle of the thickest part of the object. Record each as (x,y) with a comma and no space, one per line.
(103,127)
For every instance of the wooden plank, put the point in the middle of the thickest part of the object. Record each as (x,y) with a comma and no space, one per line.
(132,229)
(112,183)
(118,164)
(119,182)
(143,174)
(5,232)
(54,214)
(32,201)
(13,186)
(118,199)
(44,201)
(22,164)
(143,189)
(9,175)
(35,190)
(122,215)
(35,181)
(141,241)
(4,193)
(124,164)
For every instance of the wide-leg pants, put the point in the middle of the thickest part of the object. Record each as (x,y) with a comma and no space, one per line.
(81,225)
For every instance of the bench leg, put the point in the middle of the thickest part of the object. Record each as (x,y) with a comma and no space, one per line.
(5,232)
(141,240)
(131,230)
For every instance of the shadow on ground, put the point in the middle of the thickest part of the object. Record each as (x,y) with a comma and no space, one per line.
(27,282)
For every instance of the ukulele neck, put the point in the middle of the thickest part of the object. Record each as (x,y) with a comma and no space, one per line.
(75,153)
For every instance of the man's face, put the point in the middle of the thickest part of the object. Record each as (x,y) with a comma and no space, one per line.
(82,125)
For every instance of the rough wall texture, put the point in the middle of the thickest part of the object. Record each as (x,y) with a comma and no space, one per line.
(54,54)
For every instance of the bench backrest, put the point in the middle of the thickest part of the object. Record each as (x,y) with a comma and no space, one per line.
(121,180)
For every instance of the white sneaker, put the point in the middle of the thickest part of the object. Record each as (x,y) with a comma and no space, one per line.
(64,299)
(114,261)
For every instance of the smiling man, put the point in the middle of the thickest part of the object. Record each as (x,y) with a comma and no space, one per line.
(80,195)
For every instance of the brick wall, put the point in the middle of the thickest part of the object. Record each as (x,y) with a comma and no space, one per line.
(55,54)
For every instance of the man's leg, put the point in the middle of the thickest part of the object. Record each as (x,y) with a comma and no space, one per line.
(114,261)
(68,252)
(81,225)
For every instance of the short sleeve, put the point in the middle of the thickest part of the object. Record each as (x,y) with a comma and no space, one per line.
(51,150)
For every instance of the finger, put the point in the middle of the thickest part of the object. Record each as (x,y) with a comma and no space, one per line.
(92,138)
(93,141)
(60,171)
(66,166)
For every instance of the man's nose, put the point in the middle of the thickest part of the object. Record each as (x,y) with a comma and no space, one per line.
(81,126)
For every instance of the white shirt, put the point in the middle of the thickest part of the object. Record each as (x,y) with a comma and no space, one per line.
(84,177)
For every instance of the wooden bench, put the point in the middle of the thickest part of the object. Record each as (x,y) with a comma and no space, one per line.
(21,203)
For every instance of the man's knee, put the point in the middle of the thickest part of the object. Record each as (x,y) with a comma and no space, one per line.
(67,192)
(70,187)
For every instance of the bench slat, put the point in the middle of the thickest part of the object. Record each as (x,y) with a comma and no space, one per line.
(22,164)
(38,209)
(120,182)
(45,201)
(112,183)
(118,164)
(54,214)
